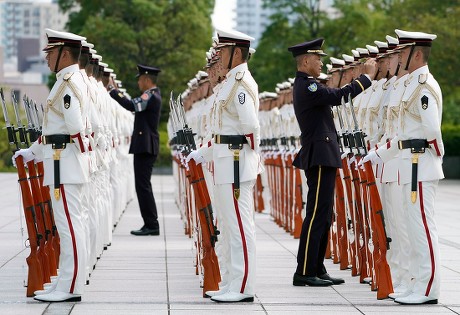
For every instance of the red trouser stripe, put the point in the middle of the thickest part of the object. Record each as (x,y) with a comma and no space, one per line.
(243,241)
(74,243)
(428,237)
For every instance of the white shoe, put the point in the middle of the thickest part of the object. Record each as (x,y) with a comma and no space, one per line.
(222,290)
(58,296)
(395,295)
(401,288)
(415,298)
(233,297)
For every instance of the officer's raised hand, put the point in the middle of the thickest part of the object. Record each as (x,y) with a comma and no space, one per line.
(370,68)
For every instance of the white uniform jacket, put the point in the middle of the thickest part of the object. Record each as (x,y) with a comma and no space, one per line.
(65,119)
(419,118)
(235,112)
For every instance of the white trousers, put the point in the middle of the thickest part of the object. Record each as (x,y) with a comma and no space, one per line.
(68,215)
(239,235)
(396,222)
(423,237)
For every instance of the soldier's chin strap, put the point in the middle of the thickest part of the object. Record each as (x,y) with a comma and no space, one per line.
(57,60)
(410,57)
(397,70)
(231,58)
(340,78)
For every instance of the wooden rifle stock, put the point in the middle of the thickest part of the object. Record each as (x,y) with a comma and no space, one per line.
(354,244)
(385,286)
(55,241)
(298,220)
(41,223)
(363,249)
(290,186)
(342,229)
(209,261)
(35,274)
(259,188)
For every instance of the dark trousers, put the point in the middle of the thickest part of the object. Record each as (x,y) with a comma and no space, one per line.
(143,165)
(317,222)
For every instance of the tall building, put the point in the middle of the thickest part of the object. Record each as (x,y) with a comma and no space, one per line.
(27,19)
(253,18)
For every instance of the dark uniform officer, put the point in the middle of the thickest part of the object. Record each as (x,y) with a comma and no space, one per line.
(144,142)
(319,157)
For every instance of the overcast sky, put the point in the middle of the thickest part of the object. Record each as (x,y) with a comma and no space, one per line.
(224,14)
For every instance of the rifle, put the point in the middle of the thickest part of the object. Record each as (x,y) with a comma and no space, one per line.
(37,198)
(44,219)
(361,235)
(35,273)
(195,175)
(381,241)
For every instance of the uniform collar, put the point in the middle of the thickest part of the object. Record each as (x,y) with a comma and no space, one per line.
(303,74)
(239,68)
(71,68)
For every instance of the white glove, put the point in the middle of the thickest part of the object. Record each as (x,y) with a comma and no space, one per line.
(85,144)
(196,156)
(101,142)
(26,154)
(344,155)
(371,156)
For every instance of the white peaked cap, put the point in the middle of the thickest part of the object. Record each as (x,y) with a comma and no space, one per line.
(84,43)
(103,64)
(98,57)
(362,51)
(92,51)
(329,67)
(231,37)
(348,59)
(292,80)
(336,61)
(58,39)
(271,95)
(414,38)
(372,49)
(323,76)
(355,53)
(380,44)
(251,50)
(287,84)
(107,69)
(118,82)
(280,86)
(392,40)
(113,75)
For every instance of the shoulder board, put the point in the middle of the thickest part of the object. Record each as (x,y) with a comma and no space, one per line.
(67,76)
(239,75)
(422,78)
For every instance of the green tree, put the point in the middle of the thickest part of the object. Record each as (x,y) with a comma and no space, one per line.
(172,35)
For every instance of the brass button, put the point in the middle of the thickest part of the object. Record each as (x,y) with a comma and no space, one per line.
(140,132)
(327,139)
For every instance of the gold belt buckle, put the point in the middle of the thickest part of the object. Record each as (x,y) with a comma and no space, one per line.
(218,139)
(400,145)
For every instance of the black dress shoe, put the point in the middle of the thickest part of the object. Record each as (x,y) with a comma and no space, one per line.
(301,281)
(326,276)
(146,231)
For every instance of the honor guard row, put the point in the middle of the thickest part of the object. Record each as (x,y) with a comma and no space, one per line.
(81,145)
(377,105)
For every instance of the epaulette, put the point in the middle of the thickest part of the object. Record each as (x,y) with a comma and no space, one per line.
(239,75)
(67,76)
(422,78)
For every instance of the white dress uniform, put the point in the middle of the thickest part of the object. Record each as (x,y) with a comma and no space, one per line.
(63,116)
(420,121)
(398,255)
(234,114)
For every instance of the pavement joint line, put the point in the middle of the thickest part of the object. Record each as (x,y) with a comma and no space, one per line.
(13,257)
(273,238)
(166,247)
